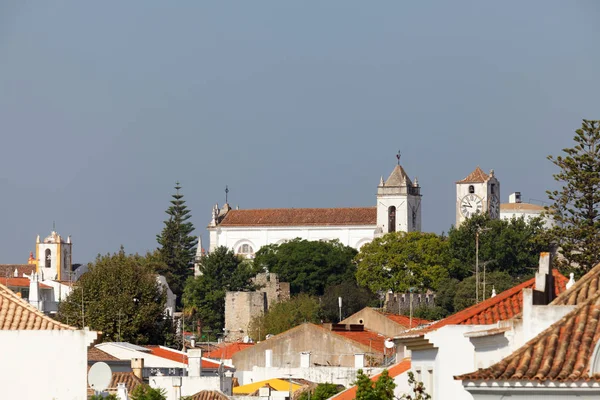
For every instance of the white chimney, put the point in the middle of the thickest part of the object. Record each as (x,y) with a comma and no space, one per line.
(34,291)
(122,392)
(305,359)
(359,360)
(194,362)
(514,197)
(268,358)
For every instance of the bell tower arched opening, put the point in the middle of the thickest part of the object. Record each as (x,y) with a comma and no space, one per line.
(392,219)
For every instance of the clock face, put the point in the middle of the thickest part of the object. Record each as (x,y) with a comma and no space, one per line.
(494,207)
(470,204)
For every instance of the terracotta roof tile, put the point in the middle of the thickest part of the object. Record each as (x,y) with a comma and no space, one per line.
(405,321)
(504,306)
(9,269)
(227,351)
(20,282)
(520,207)
(366,337)
(17,314)
(560,353)
(394,371)
(301,217)
(176,356)
(128,378)
(477,176)
(209,395)
(587,286)
(95,354)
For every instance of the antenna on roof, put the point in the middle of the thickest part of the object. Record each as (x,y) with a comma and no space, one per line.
(226,193)
(53,226)
(398,156)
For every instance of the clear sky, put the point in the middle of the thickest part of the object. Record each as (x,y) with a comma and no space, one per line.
(104,105)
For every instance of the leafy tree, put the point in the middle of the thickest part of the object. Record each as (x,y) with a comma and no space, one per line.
(418,389)
(429,313)
(145,392)
(103,397)
(322,391)
(309,266)
(444,296)
(512,245)
(177,245)
(121,298)
(285,315)
(354,299)
(575,206)
(382,389)
(465,291)
(222,271)
(401,260)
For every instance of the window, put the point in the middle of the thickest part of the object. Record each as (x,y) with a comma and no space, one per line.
(245,249)
(493,188)
(392,219)
(471,189)
(48,256)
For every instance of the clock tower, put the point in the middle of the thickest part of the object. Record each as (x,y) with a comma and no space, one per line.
(477,193)
(398,203)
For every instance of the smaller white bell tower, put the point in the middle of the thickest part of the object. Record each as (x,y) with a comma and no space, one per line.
(478,193)
(54,257)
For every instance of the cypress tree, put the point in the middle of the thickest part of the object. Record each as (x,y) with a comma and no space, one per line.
(177,245)
(575,206)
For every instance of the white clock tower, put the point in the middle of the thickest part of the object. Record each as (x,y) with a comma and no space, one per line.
(477,193)
(398,203)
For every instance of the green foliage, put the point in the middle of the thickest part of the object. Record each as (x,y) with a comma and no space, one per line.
(417,388)
(119,291)
(366,389)
(145,392)
(323,391)
(575,206)
(309,266)
(429,313)
(465,290)
(354,299)
(400,260)
(513,246)
(103,397)
(222,271)
(444,296)
(177,246)
(285,315)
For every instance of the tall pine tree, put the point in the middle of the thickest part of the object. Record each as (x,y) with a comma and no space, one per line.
(177,245)
(575,206)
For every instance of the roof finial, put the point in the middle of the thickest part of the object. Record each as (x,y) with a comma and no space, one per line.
(493,291)
(226,193)
(398,156)
(571,280)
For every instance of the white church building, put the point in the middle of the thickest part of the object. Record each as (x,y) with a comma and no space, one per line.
(245,231)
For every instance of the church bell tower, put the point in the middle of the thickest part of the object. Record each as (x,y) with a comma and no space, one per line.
(53,257)
(478,193)
(398,203)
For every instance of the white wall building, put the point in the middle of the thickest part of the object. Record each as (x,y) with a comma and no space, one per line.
(398,208)
(478,193)
(515,208)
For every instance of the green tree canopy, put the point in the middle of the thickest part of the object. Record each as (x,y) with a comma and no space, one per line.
(575,206)
(498,280)
(323,391)
(177,246)
(512,245)
(145,392)
(309,266)
(418,391)
(121,298)
(366,389)
(222,271)
(286,315)
(354,299)
(399,261)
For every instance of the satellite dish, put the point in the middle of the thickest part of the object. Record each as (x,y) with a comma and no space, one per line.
(99,376)
(388,343)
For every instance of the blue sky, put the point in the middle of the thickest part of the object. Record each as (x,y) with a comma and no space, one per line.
(105,105)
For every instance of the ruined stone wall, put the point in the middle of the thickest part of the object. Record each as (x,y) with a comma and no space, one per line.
(240,308)
(275,291)
(395,303)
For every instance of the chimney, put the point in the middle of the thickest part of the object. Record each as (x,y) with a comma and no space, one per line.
(359,360)
(122,392)
(34,291)
(544,281)
(514,197)
(194,362)
(305,359)
(137,364)
(268,358)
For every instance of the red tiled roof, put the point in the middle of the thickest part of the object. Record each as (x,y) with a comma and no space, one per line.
(95,354)
(560,353)
(301,217)
(17,314)
(587,286)
(477,176)
(209,395)
(350,393)
(405,321)
(226,352)
(504,306)
(20,282)
(9,269)
(128,378)
(177,357)
(365,337)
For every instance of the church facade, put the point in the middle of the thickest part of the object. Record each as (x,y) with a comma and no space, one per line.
(398,208)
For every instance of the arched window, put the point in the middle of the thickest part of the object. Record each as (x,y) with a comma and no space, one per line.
(48,256)
(245,249)
(471,189)
(392,219)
